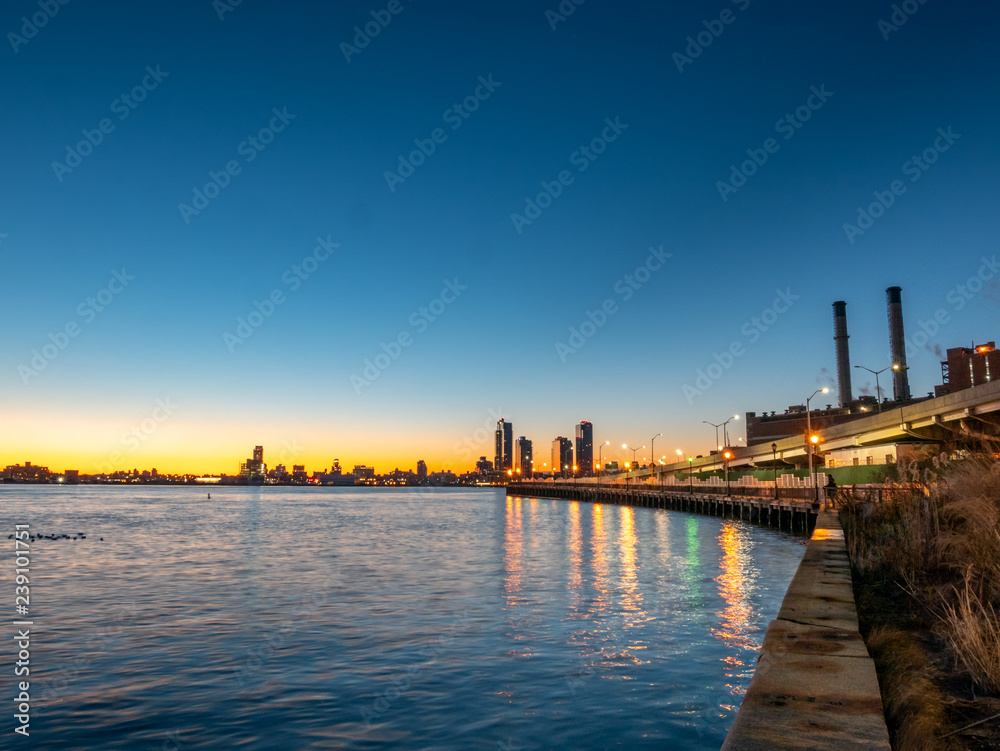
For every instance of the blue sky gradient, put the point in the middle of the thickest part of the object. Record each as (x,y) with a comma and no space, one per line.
(494,347)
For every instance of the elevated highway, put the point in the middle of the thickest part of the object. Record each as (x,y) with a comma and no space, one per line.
(970,412)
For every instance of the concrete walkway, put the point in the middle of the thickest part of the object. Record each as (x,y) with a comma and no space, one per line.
(815,685)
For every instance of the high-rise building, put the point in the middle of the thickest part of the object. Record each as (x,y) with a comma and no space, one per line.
(585,448)
(562,457)
(522,457)
(504,458)
(422,470)
(254,467)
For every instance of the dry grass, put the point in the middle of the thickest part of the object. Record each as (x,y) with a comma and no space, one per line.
(914,707)
(941,543)
(972,629)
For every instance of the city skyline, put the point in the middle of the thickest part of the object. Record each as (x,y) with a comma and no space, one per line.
(350,251)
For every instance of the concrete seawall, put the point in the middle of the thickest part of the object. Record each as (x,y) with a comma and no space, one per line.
(815,685)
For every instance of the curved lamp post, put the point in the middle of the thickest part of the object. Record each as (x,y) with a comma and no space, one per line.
(812,440)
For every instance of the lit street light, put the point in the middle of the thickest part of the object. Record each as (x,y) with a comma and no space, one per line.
(600,460)
(813,439)
(625,446)
(774,463)
(723,426)
(725,434)
(719,445)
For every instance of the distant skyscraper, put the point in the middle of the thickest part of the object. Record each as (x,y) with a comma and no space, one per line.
(421,470)
(254,467)
(522,456)
(562,456)
(585,448)
(504,458)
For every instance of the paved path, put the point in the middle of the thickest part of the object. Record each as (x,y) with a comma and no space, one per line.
(815,685)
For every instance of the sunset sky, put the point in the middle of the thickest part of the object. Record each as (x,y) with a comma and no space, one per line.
(123,299)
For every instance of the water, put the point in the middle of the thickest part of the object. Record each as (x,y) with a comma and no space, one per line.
(373,618)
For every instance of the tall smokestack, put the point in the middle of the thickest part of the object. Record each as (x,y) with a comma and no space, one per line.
(840,336)
(900,380)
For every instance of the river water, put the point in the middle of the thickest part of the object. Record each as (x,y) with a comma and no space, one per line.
(367,618)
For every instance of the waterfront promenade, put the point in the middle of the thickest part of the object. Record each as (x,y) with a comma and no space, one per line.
(815,685)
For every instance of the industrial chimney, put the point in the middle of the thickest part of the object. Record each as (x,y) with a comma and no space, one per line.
(840,336)
(900,380)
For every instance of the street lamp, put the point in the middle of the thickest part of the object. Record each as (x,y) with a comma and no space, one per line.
(774,463)
(725,434)
(652,449)
(625,446)
(727,456)
(813,439)
(691,475)
(878,391)
(723,426)
(716,431)
(600,460)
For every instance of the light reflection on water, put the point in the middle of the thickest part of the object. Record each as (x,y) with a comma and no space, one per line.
(363,618)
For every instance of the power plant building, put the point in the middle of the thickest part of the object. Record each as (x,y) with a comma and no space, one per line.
(840,336)
(967,367)
(897,342)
